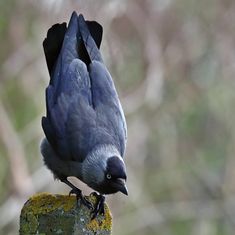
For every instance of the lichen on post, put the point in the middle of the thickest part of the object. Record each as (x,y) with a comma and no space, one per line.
(61,214)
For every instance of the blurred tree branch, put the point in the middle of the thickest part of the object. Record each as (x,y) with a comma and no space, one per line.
(21,181)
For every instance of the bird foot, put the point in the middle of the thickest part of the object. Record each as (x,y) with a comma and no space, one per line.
(79,195)
(99,207)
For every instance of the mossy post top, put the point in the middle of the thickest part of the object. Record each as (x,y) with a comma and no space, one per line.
(46,213)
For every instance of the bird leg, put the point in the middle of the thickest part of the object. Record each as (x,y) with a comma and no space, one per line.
(78,194)
(99,208)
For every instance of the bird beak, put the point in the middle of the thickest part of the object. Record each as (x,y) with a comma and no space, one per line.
(121,185)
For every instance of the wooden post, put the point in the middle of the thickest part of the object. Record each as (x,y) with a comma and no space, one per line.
(61,214)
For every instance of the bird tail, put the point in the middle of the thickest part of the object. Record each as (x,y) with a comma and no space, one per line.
(91,34)
(78,30)
(82,40)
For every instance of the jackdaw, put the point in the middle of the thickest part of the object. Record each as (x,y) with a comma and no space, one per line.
(85,127)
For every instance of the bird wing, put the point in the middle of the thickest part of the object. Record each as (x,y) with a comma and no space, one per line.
(105,101)
(108,108)
(105,123)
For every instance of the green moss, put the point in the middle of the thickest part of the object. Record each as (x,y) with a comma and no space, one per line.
(44,203)
(60,214)
(98,223)
(31,224)
(104,224)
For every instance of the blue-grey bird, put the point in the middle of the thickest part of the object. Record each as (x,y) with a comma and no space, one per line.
(85,127)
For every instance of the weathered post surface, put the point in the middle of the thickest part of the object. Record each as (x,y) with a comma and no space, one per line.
(46,214)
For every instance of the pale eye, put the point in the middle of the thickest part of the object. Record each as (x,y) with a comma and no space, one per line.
(108,176)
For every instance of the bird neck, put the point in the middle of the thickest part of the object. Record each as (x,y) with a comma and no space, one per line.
(95,163)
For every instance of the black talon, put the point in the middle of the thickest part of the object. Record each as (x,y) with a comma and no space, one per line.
(99,208)
(95,194)
(78,194)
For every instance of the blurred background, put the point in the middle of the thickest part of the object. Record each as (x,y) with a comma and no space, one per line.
(173,63)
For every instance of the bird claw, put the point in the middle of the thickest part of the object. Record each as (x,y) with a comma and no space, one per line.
(99,208)
(79,195)
(94,194)
(87,203)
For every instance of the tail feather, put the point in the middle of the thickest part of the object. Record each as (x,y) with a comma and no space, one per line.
(52,44)
(96,31)
(54,41)
(89,43)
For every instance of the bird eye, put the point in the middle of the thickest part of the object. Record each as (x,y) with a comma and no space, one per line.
(108,176)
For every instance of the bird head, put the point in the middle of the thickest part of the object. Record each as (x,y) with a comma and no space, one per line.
(104,170)
(115,176)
